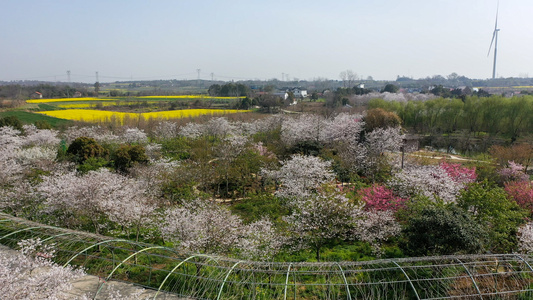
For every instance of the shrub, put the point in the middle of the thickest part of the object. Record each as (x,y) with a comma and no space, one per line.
(128,155)
(83,148)
(437,230)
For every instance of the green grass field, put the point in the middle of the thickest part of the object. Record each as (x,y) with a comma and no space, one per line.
(31,118)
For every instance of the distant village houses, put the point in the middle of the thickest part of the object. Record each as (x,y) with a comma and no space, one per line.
(298,92)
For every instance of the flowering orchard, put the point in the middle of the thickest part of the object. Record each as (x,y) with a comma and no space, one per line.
(283,187)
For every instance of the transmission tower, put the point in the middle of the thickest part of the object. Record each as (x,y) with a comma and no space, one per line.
(97,85)
(198,80)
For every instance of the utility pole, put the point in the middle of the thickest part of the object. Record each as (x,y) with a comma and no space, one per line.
(68,86)
(282,76)
(212,76)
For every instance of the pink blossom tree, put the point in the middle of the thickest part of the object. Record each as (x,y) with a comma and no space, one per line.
(514,172)
(380,198)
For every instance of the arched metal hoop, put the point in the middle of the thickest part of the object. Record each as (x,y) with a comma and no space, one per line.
(408,279)
(179,265)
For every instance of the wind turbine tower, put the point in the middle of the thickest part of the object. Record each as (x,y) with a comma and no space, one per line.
(495,42)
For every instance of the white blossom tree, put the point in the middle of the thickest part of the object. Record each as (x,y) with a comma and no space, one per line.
(343,128)
(305,127)
(319,218)
(192,130)
(96,195)
(201,226)
(430,181)
(375,227)
(381,140)
(40,137)
(260,240)
(206,227)
(301,175)
(525,238)
(166,130)
(32,275)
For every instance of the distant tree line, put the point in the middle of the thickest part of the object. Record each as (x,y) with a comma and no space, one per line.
(24,92)
(229,90)
(494,116)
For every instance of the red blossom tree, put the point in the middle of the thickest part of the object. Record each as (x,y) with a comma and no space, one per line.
(522,193)
(379,197)
(458,173)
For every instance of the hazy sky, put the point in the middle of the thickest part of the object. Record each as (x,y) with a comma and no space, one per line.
(251,39)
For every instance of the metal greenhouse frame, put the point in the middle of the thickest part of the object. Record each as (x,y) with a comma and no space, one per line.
(172,275)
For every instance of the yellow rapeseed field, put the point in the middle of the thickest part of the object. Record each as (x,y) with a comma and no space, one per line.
(89,115)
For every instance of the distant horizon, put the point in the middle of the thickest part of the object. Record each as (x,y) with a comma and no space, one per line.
(140,79)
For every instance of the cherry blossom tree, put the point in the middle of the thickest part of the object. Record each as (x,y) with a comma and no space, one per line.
(219,127)
(319,218)
(32,275)
(166,130)
(525,238)
(381,140)
(375,227)
(192,130)
(200,226)
(260,240)
(40,137)
(10,168)
(206,227)
(132,136)
(430,181)
(343,128)
(98,133)
(301,175)
(305,127)
(97,195)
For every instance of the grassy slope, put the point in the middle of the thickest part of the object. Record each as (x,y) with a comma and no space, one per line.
(31,118)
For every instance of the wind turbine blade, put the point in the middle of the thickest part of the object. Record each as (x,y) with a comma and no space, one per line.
(491,42)
(496,23)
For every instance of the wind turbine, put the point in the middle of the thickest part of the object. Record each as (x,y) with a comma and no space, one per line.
(495,42)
